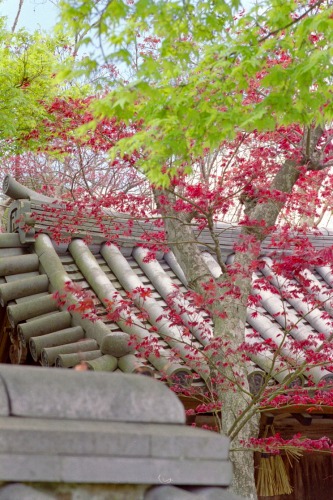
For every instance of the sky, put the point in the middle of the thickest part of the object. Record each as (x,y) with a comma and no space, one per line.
(35,14)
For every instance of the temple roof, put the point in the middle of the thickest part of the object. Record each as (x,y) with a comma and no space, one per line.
(61,427)
(35,267)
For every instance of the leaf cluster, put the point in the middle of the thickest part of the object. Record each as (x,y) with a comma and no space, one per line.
(28,67)
(216,70)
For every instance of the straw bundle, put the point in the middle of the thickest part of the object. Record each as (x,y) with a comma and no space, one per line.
(273,478)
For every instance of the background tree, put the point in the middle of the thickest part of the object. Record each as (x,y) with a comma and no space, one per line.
(57,160)
(28,68)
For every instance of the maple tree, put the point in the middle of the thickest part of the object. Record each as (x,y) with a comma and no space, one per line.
(235,116)
(61,163)
(197,201)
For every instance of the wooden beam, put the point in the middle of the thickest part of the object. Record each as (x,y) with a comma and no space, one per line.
(309,408)
(302,418)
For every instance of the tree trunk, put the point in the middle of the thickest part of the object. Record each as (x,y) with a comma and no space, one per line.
(240,416)
(243,481)
(235,403)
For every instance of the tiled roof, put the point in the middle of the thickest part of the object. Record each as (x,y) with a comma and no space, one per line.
(79,428)
(31,270)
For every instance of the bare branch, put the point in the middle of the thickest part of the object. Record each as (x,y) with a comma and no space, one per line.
(18,13)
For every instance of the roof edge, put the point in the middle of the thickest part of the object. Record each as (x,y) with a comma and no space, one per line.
(18,191)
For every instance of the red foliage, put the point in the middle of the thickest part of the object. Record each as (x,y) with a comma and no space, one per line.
(223,187)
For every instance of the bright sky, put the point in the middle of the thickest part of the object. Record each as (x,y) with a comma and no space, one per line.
(35,14)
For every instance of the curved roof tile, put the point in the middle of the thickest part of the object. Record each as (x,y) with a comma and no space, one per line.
(31,270)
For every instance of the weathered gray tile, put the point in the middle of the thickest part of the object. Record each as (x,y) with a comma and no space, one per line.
(203,444)
(167,492)
(43,392)
(213,493)
(23,492)
(117,470)
(82,437)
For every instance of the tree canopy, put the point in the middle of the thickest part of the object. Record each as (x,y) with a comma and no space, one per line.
(29,63)
(211,69)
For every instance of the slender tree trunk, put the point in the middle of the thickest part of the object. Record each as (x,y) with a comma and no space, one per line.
(240,416)
(243,481)
(234,402)
(18,13)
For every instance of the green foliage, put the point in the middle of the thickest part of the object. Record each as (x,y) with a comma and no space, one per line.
(214,71)
(28,67)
